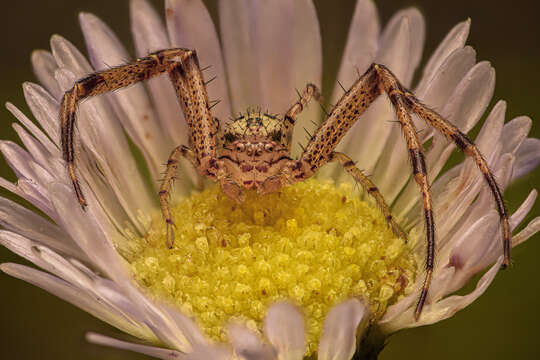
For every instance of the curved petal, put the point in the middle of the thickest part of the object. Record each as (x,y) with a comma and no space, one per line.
(190,26)
(131,104)
(44,66)
(338,340)
(284,328)
(248,344)
(282,57)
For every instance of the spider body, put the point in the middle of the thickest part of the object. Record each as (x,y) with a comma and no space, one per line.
(253,152)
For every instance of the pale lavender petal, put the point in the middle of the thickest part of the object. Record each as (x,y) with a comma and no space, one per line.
(272,77)
(453,41)
(532,228)
(73,295)
(36,150)
(440,310)
(514,133)
(45,109)
(527,156)
(190,26)
(44,66)
(43,139)
(361,47)
(518,216)
(248,345)
(284,328)
(368,135)
(150,35)
(214,353)
(339,334)
(22,221)
(131,104)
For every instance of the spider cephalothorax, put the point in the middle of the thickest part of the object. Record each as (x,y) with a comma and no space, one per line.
(253,152)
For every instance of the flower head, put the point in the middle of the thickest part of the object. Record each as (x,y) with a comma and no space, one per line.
(88,257)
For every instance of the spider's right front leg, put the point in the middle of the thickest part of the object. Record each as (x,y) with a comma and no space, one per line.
(183,68)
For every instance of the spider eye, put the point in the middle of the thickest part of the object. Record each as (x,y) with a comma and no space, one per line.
(269,147)
(240,147)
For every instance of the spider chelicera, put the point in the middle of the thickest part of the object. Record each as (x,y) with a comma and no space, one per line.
(253,152)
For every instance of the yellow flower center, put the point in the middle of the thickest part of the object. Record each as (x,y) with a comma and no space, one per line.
(313,243)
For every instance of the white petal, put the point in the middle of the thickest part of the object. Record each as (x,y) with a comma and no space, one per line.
(514,133)
(453,41)
(361,46)
(338,339)
(44,66)
(150,35)
(279,61)
(36,150)
(160,353)
(518,216)
(441,310)
(131,104)
(365,141)
(532,228)
(527,156)
(45,109)
(22,221)
(76,297)
(190,26)
(43,139)
(248,345)
(284,328)
(153,351)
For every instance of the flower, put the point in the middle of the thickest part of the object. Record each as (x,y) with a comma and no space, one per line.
(79,252)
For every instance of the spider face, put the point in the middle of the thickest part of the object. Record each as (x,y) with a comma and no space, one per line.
(252,150)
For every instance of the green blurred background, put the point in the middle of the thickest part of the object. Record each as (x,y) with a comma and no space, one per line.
(502,324)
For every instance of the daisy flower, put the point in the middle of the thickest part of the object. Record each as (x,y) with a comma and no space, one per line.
(310,272)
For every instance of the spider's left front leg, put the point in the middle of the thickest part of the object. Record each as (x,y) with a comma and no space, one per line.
(354,102)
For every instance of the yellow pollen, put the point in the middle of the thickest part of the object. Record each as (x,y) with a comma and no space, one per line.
(314,244)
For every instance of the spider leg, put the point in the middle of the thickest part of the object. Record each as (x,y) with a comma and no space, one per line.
(371,189)
(311,91)
(392,88)
(165,189)
(183,68)
(348,109)
(452,133)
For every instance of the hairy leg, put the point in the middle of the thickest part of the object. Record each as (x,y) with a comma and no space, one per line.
(165,189)
(311,91)
(183,68)
(371,189)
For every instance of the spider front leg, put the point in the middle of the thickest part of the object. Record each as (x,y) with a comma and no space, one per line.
(183,68)
(165,189)
(370,188)
(311,91)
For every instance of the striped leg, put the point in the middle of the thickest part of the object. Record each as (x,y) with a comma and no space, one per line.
(370,188)
(183,68)
(165,189)
(452,133)
(392,87)
(311,91)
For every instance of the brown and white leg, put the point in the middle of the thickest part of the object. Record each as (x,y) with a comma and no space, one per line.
(371,189)
(182,66)
(462,141)
(311,91)
(168,180)
(392,87)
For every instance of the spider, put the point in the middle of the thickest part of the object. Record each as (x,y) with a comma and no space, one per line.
(253,152)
